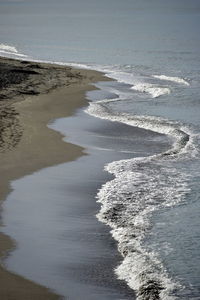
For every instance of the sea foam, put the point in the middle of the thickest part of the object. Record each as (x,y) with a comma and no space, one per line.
(12,51)
(131,79)
(173,79)
(152,89)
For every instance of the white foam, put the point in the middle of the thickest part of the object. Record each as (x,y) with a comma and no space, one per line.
(116,73)
(128,78)
(140,188)
(173,79)
(8,48)
(131,79)
(153,90)
(10,51)
(12,54)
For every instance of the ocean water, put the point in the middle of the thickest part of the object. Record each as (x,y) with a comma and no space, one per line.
(152,52)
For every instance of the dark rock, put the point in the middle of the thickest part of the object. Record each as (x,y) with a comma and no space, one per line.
(23,71)
(29,92)
(24,62)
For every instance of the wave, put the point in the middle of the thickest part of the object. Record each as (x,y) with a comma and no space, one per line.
(138,190)
(101,110)
(173,79)
(8,50)
(151,89)
(115,72)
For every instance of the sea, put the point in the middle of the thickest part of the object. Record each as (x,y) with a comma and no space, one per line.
(138,185)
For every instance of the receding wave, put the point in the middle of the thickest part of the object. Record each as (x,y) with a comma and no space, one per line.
(173,79)
(8,50)
(156,124)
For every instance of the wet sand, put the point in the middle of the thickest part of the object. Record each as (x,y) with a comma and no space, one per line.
(31,96)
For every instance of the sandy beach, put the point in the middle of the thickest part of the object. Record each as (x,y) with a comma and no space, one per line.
(32,95)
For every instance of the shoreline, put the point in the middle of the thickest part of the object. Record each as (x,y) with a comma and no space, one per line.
(26,108)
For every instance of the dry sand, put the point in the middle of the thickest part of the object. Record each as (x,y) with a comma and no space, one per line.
(32,95)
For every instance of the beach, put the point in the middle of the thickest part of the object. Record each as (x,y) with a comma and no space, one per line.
(99,149)
(36,95)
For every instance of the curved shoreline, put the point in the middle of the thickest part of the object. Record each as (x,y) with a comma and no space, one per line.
(126,206)
(54,92)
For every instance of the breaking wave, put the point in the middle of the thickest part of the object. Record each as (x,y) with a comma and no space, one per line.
(128,201)
(10,51)
(152,89)
(173,79)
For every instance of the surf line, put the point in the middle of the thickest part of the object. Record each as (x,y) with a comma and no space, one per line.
(128,201)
